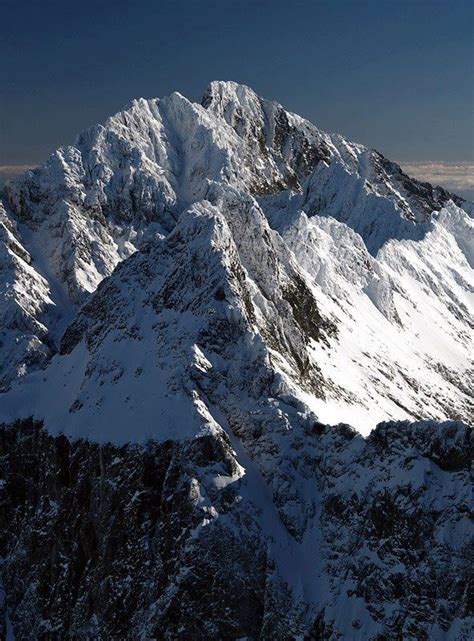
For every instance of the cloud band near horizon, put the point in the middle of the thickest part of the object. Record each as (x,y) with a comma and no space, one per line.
(457,177)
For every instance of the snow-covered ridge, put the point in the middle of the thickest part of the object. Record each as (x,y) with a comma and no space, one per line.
(392,278)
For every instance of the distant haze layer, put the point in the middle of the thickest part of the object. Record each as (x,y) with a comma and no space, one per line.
(7,172)
(454,176)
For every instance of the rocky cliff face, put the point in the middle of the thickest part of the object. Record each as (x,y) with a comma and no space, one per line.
(176,541)
(190,297)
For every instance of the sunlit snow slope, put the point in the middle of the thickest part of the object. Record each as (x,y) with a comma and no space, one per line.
(280,266)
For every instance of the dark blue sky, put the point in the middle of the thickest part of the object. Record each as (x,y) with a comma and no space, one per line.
(395,75)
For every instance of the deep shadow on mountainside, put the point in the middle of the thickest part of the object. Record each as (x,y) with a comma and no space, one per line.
(136,542)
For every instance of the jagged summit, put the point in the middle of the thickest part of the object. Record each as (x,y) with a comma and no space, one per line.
(363,235)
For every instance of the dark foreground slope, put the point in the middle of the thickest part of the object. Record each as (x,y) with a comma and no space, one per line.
(110,543)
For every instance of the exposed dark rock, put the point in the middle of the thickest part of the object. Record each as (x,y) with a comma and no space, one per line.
(137,542)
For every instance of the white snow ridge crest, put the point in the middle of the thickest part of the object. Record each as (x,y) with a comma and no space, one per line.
(386,261)
(218,284)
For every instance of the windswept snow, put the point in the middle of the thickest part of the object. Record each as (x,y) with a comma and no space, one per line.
(357,293)
(405,319)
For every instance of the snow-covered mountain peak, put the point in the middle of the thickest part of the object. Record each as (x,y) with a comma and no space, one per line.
(353,240)
(285,141)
